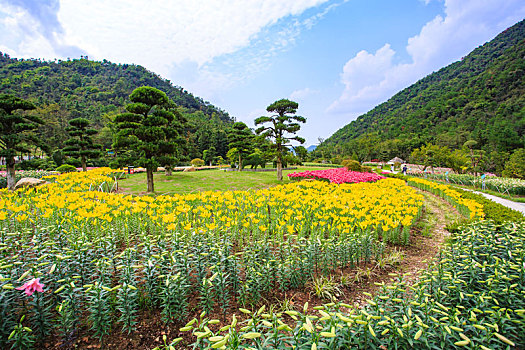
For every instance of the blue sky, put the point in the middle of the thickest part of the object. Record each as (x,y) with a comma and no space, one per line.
(337,58)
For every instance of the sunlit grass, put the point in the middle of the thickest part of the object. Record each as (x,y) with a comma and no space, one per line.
(206,180)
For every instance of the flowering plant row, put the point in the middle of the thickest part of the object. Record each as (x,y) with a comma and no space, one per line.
(471,298)
(494,183)
(337,176)
(468,207)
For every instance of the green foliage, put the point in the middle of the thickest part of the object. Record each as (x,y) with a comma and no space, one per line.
(151,129)
(472,298)
(351,165)
(479,98)
(37,164)
(15,131)
(80,145)
(97,91)
(66,168)
(515,167)
(241,141)
(282,123)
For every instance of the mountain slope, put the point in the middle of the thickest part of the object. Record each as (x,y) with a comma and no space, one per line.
(481,97)
(63,90)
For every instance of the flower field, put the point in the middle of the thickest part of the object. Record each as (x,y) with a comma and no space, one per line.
(337,176)
(97,260)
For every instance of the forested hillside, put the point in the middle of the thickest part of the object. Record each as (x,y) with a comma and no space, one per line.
(481,98)
(63,90)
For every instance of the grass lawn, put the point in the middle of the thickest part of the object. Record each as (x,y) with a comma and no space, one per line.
(205,180)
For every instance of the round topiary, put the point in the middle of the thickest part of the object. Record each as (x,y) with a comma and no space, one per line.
(66,168)
(351,165)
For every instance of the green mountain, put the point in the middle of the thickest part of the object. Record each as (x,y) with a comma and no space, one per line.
(63,90)
(481,98)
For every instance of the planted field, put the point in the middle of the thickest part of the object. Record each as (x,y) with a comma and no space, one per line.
(104,259)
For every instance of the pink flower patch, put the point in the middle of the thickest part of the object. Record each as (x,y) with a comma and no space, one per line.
(338,176)
(32,286)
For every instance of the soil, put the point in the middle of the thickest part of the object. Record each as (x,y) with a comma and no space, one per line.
(150,329)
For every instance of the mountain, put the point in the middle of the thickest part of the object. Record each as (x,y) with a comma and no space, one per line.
(481,98)
(311,148)
(67,89)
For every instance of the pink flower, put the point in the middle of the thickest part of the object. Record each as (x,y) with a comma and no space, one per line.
(32,286)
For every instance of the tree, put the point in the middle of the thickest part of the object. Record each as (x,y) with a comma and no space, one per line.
(151,128)
(302,153)
(81,145)
(282,123)
(209,155)
(15,132)
(475,155)
(241,138)
(515,167)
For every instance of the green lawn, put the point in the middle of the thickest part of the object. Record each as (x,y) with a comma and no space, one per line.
(205,180)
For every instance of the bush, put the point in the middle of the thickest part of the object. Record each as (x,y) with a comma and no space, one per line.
(37,164)
(366,169)
(197,162)
(66,168)
(74,162)
(351,165)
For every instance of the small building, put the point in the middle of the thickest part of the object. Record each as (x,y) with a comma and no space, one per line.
(396,160)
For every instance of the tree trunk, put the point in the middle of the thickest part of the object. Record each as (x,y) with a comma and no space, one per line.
(168,170)
(240,162)
(149,176)
(10,166)
(279,168)
(83,161)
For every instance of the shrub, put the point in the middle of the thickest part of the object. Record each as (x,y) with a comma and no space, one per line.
(366,169)
(74,162)
(351,165)
(66,168)
(197,162)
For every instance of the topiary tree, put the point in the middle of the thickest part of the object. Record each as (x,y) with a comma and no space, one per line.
(515,166)
(80,145)
(151,128)
(282,123)
(15,131)
(351,165)
(241,139)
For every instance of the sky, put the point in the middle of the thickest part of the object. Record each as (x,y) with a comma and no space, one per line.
(337,58)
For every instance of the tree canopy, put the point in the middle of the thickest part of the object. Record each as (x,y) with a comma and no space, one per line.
(151,129)
(15,131)
(81,145)
(281,127)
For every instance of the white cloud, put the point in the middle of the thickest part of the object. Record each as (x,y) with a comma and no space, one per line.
(370,79)
(303,94)
(20,34)
(159,33)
